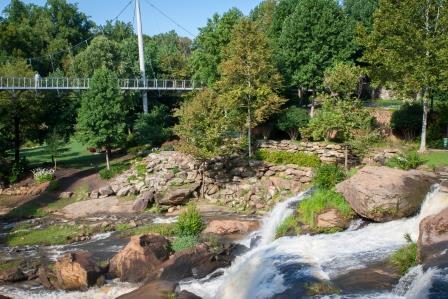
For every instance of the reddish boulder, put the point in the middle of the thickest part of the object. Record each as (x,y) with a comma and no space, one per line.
(225,227)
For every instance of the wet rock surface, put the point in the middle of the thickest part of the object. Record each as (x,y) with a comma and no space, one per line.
(153,290)
(383,194)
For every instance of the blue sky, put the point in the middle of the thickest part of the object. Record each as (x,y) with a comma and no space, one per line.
(189,14)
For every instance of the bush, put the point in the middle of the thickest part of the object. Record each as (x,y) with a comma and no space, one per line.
(107,174)
(281,157)
(343,79)
(407,161)
(328,175)
(320,201)
(190,222)
(361,144)
(405,258)
(18,171)
(153,128)
(407,121)
(292,119)
(42,175)
(184,242)
(53,186)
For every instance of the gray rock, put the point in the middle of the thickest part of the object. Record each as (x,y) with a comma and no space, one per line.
(142,201)
(106,191)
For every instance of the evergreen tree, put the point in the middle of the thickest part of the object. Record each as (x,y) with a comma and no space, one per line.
(101,121)
(249,78)
(408,48)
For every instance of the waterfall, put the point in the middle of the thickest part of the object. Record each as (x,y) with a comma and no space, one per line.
(260,273)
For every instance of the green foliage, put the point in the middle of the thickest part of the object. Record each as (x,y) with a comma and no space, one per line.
(321,200)
(361,11)
(152,128)
(340,120)
(343,79)
(292,119)
(140,168)
(290,224)
(53,186)
(436,159)
(407,161)
(361,144)
(406,121)
(42,175)
(165,229)
(54,144)
(18,170)
(319,289)
(184,242)
(190,222)
(101,121)
(405,258)
(327,176)
(282,157)
(107,174)
(303,58)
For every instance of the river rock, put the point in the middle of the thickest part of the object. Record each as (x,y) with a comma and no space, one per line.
(433,240)
(178,196)
(76,271)
(331,218)
(140,258)
(153,290)
(12,275)
(383,194)
(225,227)
(143,200)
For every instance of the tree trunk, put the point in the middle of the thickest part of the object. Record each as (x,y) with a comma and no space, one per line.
(249,133)
(107,158)
(424,121)
(293,134)
(53,160)
(312,108)
(16,138)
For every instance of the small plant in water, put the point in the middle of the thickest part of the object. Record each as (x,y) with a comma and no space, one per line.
(42,175)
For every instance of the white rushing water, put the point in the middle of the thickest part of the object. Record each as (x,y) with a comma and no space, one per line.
(257,274)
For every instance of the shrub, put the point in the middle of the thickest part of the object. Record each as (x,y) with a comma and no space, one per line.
(107,174)
(190,222)
(42,175)
(327,176)
(153,128)
(54,185)
(406,122)
(184,242)
(321,200)
(288,225)
(292,119)
(361,144)
(407,161)
(405,258)
(18,171)
(281,157)
(140,169)
(343,79)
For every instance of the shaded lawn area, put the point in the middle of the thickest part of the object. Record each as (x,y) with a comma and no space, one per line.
(435,158)
(74,155)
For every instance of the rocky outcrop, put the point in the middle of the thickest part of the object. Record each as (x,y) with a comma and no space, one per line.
(226,227)
(153,290)
(187,295)
(331,218)
(12,275)
(433,240)
(140,258)
(328,153)
(176,196)
(73,271)
(383,194)
(108,205)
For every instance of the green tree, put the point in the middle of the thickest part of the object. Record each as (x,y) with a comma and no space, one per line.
(313,37)
(343,79)
(249,78)
(101,121)
(361,11)
(209,45)
(54,144)
(263,15)
(153,128)
(292,119)
(408,48)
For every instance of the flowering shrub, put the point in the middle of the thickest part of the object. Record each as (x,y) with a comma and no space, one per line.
(43,175)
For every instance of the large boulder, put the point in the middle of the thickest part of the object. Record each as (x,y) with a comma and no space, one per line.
(14,274)
(197,262)
(153,290)
(176,196)
(108,205)
(225,227)
(76,271)
(140,258)
(433,240)
(384,194)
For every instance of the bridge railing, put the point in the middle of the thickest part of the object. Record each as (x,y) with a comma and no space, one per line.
(64,83)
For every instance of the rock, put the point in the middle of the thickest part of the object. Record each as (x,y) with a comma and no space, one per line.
(66,195)
(109,205)
(12,275)
(225,227)
(94,194)
(76,271)
(383,194)
(331,218)
(4,297)
(433,240)
(154,290)
(123,191)
(197,262)
(179,196)
(106,191)
(140,258)
(143,200)
(185,295)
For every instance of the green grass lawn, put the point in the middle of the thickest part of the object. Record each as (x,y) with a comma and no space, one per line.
(436,158)
(74,155)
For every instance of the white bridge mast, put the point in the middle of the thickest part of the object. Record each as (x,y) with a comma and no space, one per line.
(141,57)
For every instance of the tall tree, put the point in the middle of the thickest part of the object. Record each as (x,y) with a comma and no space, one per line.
(209,45)
(361,11)
(263,15)
(249,78)
(101,121)
(313,37)
(408,47)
